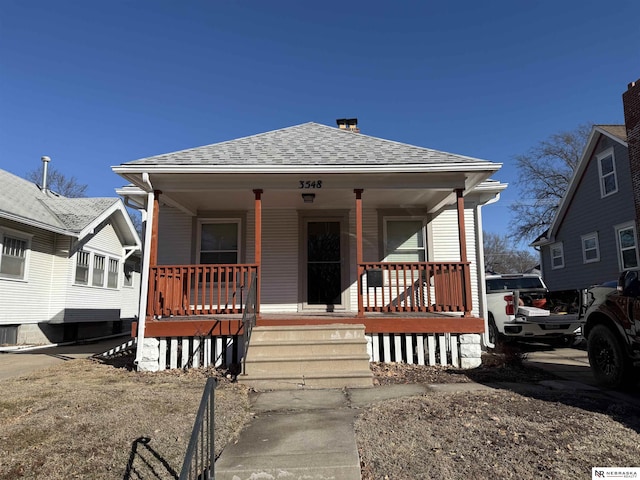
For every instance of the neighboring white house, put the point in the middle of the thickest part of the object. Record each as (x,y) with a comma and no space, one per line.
(333,225)
(69,267)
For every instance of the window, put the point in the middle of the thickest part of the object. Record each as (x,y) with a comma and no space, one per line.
(82,267)
(607,170)
(128,270)
(220,241)
(404,240)
(13,260)
(590,248)
(97,280)
(114,270)
(98,268)
(557,256)
(627,246)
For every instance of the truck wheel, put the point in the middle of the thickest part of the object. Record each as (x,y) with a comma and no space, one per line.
(609,365)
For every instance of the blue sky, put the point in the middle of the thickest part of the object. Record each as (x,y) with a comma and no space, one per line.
(98,83)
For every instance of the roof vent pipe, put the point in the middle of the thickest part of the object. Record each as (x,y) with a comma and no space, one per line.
(45,168)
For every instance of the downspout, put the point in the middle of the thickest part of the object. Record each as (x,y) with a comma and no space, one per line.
(483,287)
(146,255)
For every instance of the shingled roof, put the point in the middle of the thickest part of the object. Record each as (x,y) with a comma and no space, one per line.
(23,201)
(306,144)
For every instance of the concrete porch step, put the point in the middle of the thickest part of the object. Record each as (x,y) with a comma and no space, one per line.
(317,356)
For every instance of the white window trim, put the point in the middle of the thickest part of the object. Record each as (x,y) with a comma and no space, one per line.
(625,226)
(589,236)
(601,156)
(27,237)
(551,248)
(107,256)
(208,221)
(410,218)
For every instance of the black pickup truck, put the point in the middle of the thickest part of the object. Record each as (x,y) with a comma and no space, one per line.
(612,329)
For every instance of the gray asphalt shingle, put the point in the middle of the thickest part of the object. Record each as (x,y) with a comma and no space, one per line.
(23,199)
(306,144)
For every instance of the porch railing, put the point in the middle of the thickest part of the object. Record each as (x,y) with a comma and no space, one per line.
(198,289)
(414,287)
(249,318)
(199,460)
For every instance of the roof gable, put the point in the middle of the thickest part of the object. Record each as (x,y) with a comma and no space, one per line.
(618,134)
(304,145)
(24,202)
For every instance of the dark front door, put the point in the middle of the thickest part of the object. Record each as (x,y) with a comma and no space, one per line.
(324,275)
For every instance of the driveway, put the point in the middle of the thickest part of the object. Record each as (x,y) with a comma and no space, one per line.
(572,364)
(16,363)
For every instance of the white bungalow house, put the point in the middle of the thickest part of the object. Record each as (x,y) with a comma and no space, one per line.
(69,267)
(311,225)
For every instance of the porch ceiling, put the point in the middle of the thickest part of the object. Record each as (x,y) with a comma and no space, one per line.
(193,202)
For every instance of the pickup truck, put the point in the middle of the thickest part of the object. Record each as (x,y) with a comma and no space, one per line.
(612,329)
(515,303)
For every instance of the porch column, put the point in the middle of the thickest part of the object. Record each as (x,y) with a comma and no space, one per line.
(153,248)
(462,238)
(359,260)
(258,243)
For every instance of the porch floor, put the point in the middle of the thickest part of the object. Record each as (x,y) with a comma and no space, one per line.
(374,322)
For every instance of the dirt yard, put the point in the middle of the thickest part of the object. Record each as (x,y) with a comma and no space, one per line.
(83,419)
(497,435)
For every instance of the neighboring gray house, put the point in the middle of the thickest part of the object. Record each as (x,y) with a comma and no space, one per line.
(593,235)
(69,267)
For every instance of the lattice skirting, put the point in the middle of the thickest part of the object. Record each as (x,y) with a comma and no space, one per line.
(446,349)
(456,350)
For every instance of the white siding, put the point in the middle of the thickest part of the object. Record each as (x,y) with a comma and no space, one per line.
(445,245)
(28,301)
(175,233)
(280,262)
(96,304)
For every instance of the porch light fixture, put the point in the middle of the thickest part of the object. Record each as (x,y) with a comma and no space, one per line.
(308,197)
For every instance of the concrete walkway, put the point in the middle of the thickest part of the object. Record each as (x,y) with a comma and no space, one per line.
(309,434)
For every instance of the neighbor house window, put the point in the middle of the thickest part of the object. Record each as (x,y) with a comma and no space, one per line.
(112,276)
(607,170)
(128,270)
(404,240)
(82,267)
(627,245)
(13,260)
(220,241)
(97,267)
(557,256)
(590,248)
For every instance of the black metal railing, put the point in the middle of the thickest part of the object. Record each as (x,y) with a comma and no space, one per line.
(249,318)
(199,460)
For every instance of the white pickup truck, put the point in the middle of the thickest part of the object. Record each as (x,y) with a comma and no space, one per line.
(516,302)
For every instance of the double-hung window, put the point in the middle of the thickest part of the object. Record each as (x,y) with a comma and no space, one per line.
(14,251)
(96,269)
(590,248)
(219,241)
(627,245)
(557,256)
(607,171)
(404,240)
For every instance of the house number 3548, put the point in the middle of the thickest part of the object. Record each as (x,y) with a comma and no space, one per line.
(310,184)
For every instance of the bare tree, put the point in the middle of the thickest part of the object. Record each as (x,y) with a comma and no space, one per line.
(59,182)
(544,175)
(501,256)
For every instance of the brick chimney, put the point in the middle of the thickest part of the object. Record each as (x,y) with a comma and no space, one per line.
(631,105)
(350,124)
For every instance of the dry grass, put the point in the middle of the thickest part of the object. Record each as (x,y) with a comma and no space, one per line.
(83,419)
(498,435)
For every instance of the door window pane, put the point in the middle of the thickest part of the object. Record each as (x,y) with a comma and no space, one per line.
(324,273)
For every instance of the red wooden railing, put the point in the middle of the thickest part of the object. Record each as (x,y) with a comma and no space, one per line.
(414,287)
(198,289)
